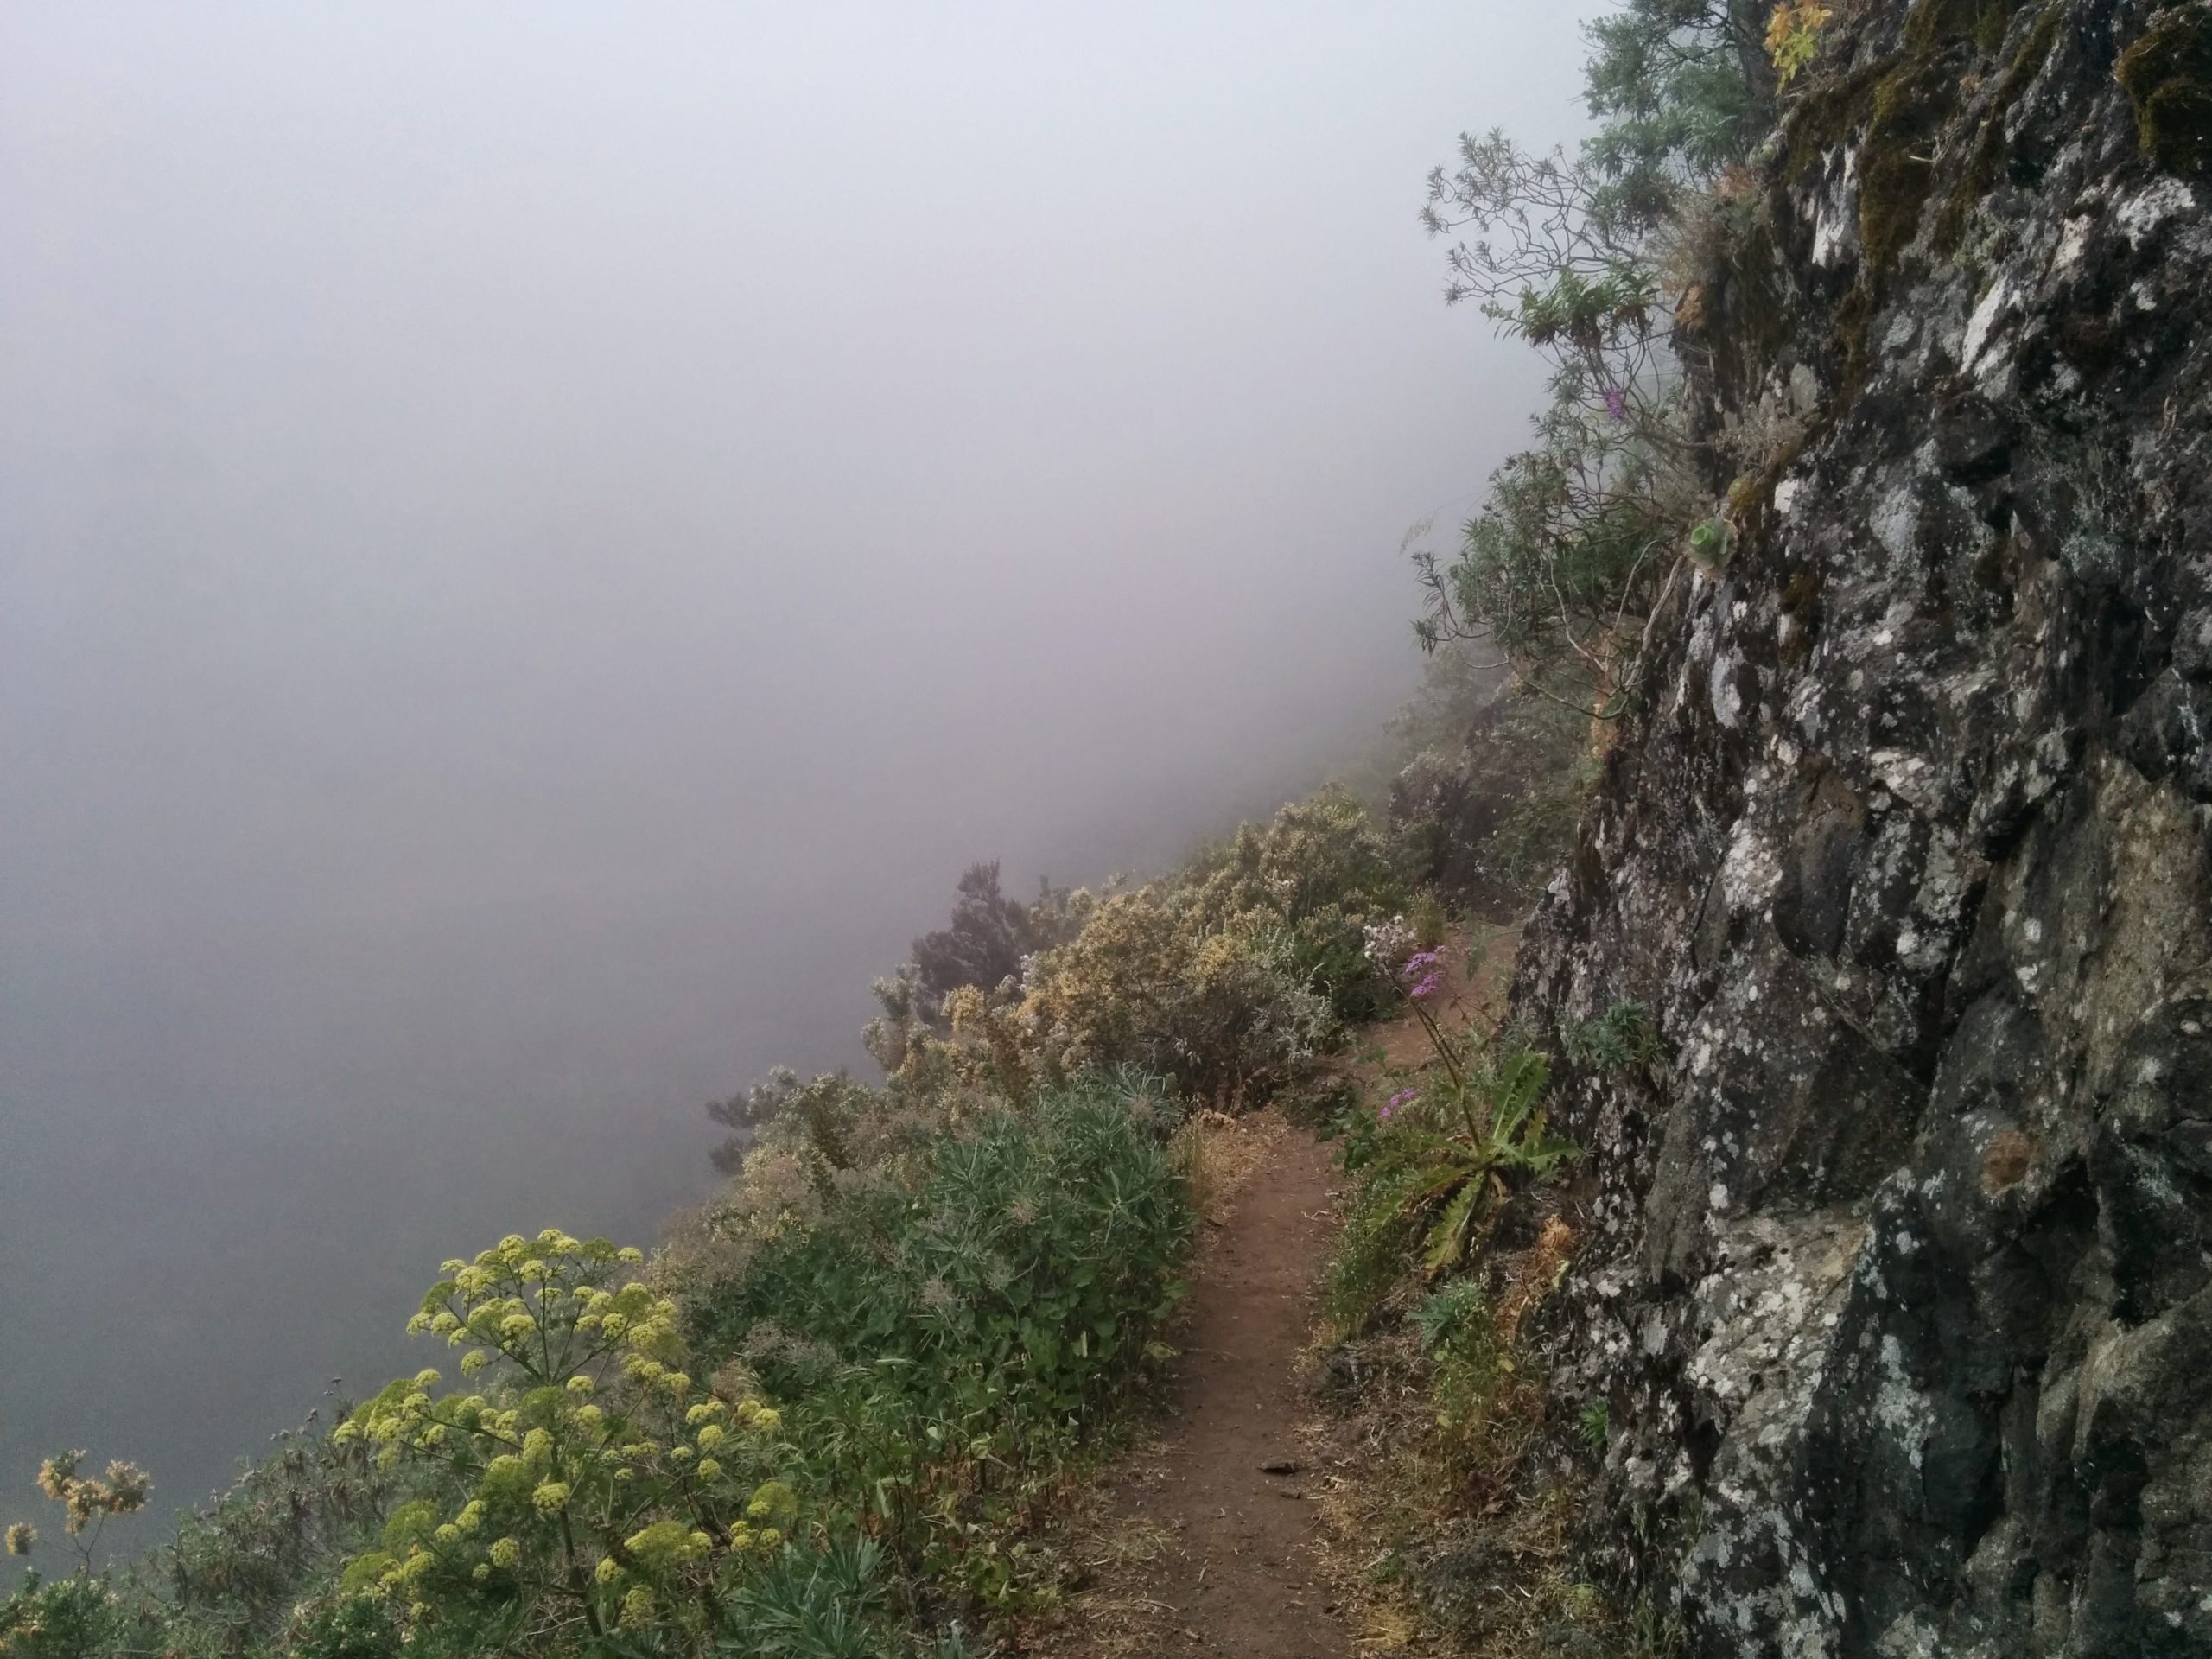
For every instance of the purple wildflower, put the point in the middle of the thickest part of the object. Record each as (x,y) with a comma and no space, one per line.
(1617,402)
(1403,1098)
(1424,973)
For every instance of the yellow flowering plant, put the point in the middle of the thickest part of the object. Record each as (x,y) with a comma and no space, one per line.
(87,1501)
(1793,36)
(79,1614)
(589,1475)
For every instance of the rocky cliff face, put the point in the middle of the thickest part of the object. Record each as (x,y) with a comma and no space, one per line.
(1898,1279)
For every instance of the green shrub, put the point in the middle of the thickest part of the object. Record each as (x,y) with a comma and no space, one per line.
(938,1330)
(79,1617)
(1234,974)
(1370,1256)
(348,1627)
(1020,1272)
(815,1605)
(1622,1037)
(1468,1361)
(237,1568)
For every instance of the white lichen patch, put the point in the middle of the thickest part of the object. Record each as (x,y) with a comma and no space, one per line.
(1894,521)
(1996,306)
(1728,700)
(1911,779)
(1902,1410)
(2146,209)
(2072,243)
(1836,217)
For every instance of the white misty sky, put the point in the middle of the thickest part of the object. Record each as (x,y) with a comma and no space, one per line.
(536,539)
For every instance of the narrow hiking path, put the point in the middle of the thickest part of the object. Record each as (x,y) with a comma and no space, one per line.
(1206,1541)
(1224,1533)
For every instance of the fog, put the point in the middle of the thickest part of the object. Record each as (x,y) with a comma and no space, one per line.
(535,541)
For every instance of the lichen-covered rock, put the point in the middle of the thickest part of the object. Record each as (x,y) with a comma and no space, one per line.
(1899,1290)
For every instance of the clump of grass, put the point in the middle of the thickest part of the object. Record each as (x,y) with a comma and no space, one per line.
(1622,1037)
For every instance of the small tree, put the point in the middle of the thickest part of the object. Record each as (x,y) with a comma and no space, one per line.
(78,1616)
(982,945)
(1585,533)
(88,1503)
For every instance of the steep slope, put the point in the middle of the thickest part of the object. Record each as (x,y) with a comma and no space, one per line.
(1900,1297)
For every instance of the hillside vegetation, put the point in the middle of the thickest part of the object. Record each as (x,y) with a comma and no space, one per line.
(1809,1254)
(820,1419)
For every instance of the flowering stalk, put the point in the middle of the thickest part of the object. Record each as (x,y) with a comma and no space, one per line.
(1423,978)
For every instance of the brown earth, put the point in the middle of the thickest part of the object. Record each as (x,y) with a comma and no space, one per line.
(1204,1541)
(1211,1537)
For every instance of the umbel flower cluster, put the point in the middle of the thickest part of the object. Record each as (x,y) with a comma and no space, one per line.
(86,1502)
(599,1485)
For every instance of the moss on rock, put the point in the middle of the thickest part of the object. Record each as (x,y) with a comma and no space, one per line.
(1935,24)
(2168,77)
(1895,174)
(1980,174)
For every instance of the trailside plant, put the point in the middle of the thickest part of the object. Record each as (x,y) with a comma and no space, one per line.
(591,1482)
(940,1329)
(1462,1178)
(1444,1151)
(78,1616)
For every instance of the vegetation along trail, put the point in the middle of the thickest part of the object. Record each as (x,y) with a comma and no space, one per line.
(1208,1544)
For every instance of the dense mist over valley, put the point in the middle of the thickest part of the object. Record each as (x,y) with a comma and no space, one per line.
(536,543)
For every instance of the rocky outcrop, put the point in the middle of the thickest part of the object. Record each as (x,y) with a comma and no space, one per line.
(1898,1283)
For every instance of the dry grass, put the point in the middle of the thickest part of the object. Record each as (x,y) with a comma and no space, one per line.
(1108,1547)
(1217,1154)
(1404,1494)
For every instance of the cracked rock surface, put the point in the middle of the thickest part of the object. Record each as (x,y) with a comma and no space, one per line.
(1898,1286)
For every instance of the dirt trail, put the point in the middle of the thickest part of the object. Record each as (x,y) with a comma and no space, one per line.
(1207,1540)
(1202,1549)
